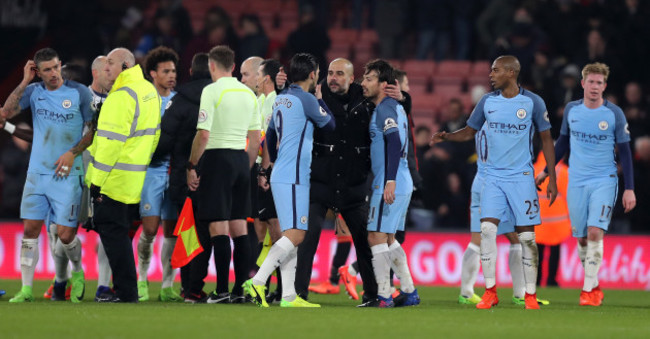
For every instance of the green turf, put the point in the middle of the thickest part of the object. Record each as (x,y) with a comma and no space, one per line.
(624,314)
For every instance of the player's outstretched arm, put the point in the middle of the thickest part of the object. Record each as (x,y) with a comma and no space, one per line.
(20,133)
(549,155)
(12,105)
(464,134)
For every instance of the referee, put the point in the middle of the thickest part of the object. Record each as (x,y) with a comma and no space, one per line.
(228,115)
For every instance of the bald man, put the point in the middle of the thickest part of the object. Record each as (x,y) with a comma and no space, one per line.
(249,72)
(510,114)
(128,130)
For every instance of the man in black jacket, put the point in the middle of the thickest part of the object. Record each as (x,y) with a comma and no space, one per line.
(339,175)
(178,127)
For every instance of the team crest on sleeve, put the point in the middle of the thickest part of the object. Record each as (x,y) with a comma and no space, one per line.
(66,103)
(627,129)
(203,115)
(521,113)
(603,125)
(322,111)
(546,116)
(389,123)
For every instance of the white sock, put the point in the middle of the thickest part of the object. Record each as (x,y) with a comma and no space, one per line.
(352,271)
(103,267)
(73,251)
(489,253)
(516,271)
(399,264)
(381,267)
(469,270)
(593,259)
(28,260)
(277,254)
(288,271)
(52,236)
(145,248)
(60,262)
(582,253)
(530,260)
(166,258)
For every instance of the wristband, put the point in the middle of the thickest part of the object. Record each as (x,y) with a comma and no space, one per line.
(9,127)
(190,166)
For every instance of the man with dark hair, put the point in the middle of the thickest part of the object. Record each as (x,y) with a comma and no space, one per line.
(267,219)
(228,115)
(339,178)
(392,186)
(160,67)
(60,110)
(510,114)
(291,129)
(177,130)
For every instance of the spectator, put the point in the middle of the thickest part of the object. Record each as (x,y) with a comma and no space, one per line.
(162,34)
(310,37)
(434,24)
(453,212)
(641,214)
(636,110)
(391,16)
(254,41)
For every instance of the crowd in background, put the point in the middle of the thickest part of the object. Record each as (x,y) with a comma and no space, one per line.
(553,39)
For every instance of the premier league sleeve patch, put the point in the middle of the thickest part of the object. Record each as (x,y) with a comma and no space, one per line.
(389,123)
(203,115)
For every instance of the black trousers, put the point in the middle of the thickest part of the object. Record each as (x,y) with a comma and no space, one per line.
(357,221)
(553,264)
(111,218)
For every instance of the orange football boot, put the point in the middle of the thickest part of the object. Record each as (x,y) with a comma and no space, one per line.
(325,288)
(349,281)
(489,299)
(530,301)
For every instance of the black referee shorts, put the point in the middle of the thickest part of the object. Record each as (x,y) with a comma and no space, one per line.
(224,188)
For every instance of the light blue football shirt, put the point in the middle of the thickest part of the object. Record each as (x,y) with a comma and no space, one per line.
(510,126)
(161,166)
(593,133)
(294,114)
(389,117)
(59,118)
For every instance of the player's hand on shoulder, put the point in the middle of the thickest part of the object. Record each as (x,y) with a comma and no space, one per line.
(438,137)
(394,91)
(29,72)
(389,192)
(629,200)
(281,78)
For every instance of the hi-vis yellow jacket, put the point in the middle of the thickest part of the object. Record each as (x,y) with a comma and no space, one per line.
(127,134)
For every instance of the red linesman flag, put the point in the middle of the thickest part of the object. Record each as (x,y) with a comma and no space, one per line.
(187,245)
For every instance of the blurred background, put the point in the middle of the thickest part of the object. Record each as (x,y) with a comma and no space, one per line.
(445,46)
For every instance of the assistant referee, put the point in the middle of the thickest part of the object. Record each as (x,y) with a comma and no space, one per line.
(228,115)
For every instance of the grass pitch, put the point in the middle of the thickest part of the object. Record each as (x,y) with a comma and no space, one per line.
(624,314)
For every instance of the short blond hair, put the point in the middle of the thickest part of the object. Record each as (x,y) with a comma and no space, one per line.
(595,68)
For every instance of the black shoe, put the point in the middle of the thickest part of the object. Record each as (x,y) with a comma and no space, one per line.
(221,298)
(370,303)
(106,294)
(195,298)
(240,299)
(304,296)
(274,297)
(115,299)
(58,291)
